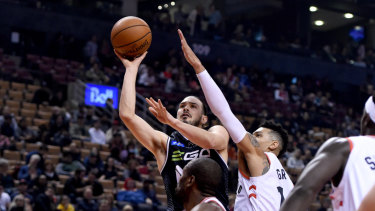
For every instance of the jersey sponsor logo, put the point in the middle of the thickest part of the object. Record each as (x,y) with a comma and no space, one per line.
(281,174)
(176,143)
(371,162)
(177,155)
(202,153)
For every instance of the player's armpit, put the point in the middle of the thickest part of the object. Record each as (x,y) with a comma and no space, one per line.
(255,159)
(331,157)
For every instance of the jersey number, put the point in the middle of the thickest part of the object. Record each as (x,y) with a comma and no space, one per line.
(280,189)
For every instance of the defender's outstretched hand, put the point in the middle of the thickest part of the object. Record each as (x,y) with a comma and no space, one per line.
(190,55)
(127,63)
(159,111)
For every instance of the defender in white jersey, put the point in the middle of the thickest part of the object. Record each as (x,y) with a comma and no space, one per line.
(262,180)
(348,162)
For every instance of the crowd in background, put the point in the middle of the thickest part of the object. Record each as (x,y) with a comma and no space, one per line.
(309,108)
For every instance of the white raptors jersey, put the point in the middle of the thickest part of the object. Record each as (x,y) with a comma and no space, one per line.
(213,199)
(266,192)
(358,176)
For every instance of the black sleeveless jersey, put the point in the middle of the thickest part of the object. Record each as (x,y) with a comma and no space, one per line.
(179,152)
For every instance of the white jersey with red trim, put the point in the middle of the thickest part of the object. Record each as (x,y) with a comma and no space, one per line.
(214,200)
(358,176)
(265,192)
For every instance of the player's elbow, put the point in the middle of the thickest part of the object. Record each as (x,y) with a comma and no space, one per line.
(126,116)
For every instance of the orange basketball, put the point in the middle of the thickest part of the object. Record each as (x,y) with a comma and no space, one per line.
(131,37)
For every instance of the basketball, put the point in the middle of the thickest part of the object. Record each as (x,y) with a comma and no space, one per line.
(131,37)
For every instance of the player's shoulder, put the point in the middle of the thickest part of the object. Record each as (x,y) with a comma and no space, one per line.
(335,145)
(210,206)
(219,129)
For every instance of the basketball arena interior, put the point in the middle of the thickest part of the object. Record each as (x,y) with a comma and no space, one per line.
(308,65)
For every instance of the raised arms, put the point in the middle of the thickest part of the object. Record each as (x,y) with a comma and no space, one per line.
(330,159)
(153,140)
(219,106)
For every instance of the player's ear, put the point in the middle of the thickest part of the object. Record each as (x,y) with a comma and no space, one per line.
(190,181)
(204,120)
(274,145)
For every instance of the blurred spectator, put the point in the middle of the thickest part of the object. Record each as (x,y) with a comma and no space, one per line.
(41,95)
(127,207)
(131,170)
(214,18)
(282,94)
(150,192)
(4,198)
(65,204)
(179,16)
(97,135)
(109,197)
(67,165)
(239,39)
(96,187)
(295,161)
(88,203)
(6,128)
(25,133)
(5,178)
(75,151)
(5,142)
(49,171)
(115,129)
(104,205)
(194,21)
(79,129)
(131,193)
(57,99)
(91,48)
(74,186)
(147,78)
(6,114)
(19,204)
(45,201)
(22,190)
(38,185)
(109,171)
(93,161)
(30,171)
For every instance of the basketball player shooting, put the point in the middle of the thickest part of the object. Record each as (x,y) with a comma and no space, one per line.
(188,142)
(263,183)
(199,182)
(349,163)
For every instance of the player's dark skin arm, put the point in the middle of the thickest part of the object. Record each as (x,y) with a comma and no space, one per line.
(328,164)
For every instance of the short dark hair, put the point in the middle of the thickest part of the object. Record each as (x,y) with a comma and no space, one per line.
(281,134)
(208,174)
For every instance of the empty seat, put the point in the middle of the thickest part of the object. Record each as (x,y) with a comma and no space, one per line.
(39,122)
(4,84)
(162,198)
(16,95)
(32,88)
(13,104)
(31,147)
(55,150)
(29,96)
(12,155)
(90,145)
(104,155)
(31,106)
(63,178)
(44,114)
(53,158)
(27,113)
(107,184)
(18,86)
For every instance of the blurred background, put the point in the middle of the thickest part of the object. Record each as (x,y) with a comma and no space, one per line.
(305,64)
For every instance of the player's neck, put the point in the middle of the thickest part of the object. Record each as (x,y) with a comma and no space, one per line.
(195,197)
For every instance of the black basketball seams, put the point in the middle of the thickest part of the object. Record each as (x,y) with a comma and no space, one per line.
(128,28)
(133,41)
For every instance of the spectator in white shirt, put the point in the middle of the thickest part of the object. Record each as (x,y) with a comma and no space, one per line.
(97,135)
(295,161)
(4,199)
